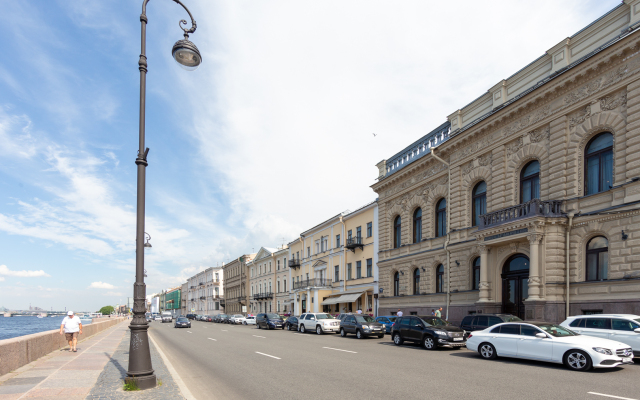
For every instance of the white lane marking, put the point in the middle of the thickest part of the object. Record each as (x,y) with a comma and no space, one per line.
(189,332)
(277,358)
(259,336)
(346,351)
(300,334)
(608,395)
(223,330)
(212,339)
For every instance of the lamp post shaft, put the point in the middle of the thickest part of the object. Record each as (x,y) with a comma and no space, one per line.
(140,367)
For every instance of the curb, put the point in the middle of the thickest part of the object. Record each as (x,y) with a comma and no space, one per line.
(176,377)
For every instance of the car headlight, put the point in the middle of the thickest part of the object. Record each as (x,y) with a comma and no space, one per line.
(441,333)
(365,326)
(602,350)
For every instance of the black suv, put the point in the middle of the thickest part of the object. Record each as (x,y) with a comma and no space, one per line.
(362,325)
(191,316)
(480,322)
(431,332)
(269,321)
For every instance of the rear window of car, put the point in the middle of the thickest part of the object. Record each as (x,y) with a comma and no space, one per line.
(597,323)
(481,321)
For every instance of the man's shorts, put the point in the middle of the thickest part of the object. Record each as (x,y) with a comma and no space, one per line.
(71,336)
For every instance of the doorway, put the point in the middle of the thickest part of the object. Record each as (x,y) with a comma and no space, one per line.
(515,286)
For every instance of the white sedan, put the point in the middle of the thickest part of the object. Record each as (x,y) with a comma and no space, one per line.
(548,342)
(237,318)
(249,320)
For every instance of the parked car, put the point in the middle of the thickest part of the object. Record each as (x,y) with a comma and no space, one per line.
(342,316)
(191,316)
(209,318)
(237,319)
(221,318)
(182,322)
(431,332)
(479,322)
(362,326)
(544,341)
(387,321)
(251,320)
(269,321)
(318,322)
(148,317)
(623,328)
(227,319)
(291,324)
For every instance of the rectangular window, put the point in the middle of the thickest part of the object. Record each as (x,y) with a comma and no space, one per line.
(308,251)
(349,234)
(369,267)
(359,231)
(278,265)
(369,229)
(317,246)
(338,241)
(298,255)
(358,269)
(349,271)
(336,273)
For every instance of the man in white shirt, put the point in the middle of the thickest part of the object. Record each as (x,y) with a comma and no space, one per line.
(399,313)
(359,311)
(72,328)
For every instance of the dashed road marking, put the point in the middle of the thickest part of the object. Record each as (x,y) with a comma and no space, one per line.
(189,332)
(346,351)
(277,358)
(259,336)
(212,339)
(612,396)
(223,330)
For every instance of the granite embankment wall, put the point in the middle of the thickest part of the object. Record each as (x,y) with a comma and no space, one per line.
(19,351)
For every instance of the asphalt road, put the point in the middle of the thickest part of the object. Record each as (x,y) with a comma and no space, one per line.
(219,361)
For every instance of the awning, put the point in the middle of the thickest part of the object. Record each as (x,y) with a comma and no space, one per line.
(345,298)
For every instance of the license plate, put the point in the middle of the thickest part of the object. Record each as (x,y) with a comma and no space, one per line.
(626,359)
(457,339)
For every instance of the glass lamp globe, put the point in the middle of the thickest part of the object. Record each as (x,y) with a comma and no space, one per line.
(186,55)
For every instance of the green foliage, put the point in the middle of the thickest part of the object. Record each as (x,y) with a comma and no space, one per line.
(106,310)
(130,385)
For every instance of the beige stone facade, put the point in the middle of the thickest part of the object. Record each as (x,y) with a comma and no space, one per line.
(236,295)
(265,272)
(551,112)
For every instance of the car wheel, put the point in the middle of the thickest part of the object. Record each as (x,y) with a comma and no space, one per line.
(302,329)
(429,343)
(577,360)
(359,334)
(397,339)
(343,333)
(380,336)
(487,351)
(258,326)
(319,330)
(244,323)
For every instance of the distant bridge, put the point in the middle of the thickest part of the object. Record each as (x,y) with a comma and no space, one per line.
(35,313)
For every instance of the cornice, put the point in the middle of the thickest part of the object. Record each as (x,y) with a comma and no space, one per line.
(604,218)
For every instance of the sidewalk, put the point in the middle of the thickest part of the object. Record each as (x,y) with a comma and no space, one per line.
(96,371)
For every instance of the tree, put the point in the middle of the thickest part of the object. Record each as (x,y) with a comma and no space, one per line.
(106,310)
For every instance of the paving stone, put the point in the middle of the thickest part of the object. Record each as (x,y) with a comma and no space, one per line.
(11,389)
(24,380)
(15,396)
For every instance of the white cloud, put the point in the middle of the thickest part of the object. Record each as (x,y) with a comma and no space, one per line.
(114,294)
(101,285)
(4,270)
(1,278)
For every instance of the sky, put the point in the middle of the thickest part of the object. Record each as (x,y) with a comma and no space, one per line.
(273,134)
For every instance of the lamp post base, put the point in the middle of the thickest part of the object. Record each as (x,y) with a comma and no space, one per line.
(143,382)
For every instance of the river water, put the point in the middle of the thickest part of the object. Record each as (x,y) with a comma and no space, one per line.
(11,327)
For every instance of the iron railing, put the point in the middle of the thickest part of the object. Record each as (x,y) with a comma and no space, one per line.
(293,263)
(313,282)
(264,295)
(354,242)
(533,208)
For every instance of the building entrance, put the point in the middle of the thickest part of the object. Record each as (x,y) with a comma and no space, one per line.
(515,286)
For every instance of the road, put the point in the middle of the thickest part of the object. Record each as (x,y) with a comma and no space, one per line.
(219,361)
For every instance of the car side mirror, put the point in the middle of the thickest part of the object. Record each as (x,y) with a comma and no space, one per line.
(541,335)
(637,330)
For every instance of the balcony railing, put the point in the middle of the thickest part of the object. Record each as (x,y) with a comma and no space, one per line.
(354,242)
(261,296)
(201,284)
(241,299)
(313,282)
(202,298)
(293,263)
(533,208)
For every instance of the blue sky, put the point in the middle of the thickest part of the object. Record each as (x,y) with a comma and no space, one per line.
(271,135)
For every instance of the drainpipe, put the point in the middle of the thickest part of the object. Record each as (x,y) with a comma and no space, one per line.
(446,243)
(344,267)
(570,215)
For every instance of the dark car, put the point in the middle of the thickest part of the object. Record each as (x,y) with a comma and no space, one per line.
(291,324)
(480,322)
(431,332)
(269,321)
(182,322)
(387,321)
(221,318)
(191,316)
(362,325)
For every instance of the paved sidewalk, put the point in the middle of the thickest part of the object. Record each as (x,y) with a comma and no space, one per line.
(96,371)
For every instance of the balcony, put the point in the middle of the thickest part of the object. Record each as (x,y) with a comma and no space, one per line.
(202,298)
(201,284)
(353,243)
(293,263)
(533,208)
(192,287)
(262,296)
(314,282)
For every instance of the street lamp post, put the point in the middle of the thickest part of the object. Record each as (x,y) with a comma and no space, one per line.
(189,58)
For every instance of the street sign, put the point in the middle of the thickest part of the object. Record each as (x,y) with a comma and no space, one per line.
(193,310)
(244,309)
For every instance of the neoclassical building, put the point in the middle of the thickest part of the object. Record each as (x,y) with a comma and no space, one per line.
(236,279)
(526,200)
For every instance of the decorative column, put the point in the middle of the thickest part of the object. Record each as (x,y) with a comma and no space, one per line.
(484,273)
(534,268)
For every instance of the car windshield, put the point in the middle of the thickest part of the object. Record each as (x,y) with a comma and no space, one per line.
(637,320)
(238,316)
(510,318)
(436,321)
(364,318)
(182,319)
(323,316)
(273,316)
(556,330)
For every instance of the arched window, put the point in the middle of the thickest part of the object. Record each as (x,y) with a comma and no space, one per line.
(598,166)
(416,281)
(417,225)
(396,284)
(441,218)
(397,232)
(530,182)
(479,197)
(440,279)
(597,258)
(475,274)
